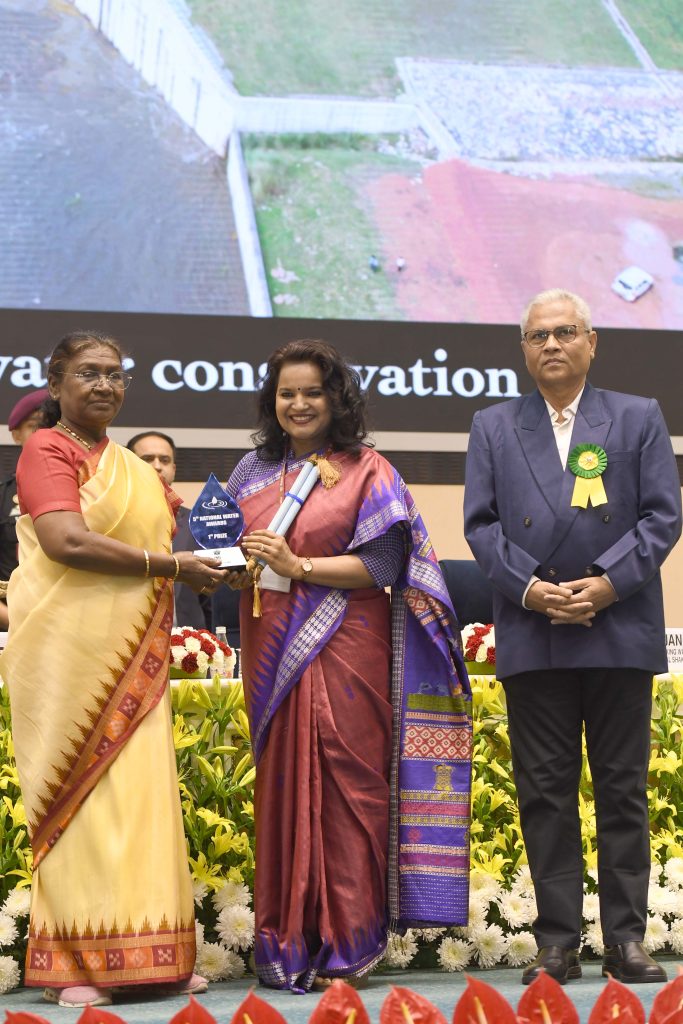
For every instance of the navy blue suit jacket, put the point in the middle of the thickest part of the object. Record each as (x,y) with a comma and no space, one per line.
(519,522)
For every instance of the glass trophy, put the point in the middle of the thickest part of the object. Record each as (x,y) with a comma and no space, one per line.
(216,523)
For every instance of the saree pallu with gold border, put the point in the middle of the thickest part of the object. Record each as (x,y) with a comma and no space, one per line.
(87,669)
(360,717)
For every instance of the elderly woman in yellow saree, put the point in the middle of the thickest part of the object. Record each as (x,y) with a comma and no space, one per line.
(87,668)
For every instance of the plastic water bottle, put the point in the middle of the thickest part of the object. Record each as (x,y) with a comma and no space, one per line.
(221,635)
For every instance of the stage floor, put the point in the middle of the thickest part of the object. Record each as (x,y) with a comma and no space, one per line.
(442,989)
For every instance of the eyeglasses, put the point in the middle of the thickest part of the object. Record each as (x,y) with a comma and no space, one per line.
(117,380)
(565,334)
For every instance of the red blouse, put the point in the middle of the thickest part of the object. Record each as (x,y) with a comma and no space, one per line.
(48,472)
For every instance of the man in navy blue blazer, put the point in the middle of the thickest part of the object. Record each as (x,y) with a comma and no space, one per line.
(572,503)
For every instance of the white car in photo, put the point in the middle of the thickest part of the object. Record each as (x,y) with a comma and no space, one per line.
(632,282)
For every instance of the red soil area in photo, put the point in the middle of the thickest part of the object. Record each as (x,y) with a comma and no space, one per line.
(479,243)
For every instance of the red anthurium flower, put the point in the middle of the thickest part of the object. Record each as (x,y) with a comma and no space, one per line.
(21,1017)
(616,1004)
(96,1015)
(193,1013)
(252,1010)
(668,1005)
(481,1004)
(340,1004)
(545,1002)
(403,1006)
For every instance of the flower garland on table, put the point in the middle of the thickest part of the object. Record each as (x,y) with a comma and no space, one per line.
(198,650)
(479,643)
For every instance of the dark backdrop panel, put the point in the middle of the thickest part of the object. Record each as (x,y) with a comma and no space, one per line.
(428,362)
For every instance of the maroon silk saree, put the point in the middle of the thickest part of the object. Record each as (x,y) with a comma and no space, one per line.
(327,719)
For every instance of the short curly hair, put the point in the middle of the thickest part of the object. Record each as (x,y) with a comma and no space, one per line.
(348,401)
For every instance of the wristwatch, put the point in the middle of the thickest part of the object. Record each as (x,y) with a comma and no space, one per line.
(306,568)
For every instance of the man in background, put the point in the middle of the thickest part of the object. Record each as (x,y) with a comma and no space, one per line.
(572,503)
(25,418)
(159,451)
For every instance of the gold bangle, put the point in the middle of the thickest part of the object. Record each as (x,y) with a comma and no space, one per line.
(146,554)
(175,575)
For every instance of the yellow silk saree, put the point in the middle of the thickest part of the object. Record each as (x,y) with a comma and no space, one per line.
(87,669)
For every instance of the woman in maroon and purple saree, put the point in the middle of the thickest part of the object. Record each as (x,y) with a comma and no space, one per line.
(358,705)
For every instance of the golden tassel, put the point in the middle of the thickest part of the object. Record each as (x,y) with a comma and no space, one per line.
(329,473)
(256,606)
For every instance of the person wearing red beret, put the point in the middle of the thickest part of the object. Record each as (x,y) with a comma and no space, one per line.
(25,417)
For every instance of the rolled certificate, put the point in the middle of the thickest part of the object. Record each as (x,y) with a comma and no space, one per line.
(287,512)
(291,496)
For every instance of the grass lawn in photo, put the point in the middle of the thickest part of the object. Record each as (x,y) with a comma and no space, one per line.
(315,227)
(283,47)
(659,26)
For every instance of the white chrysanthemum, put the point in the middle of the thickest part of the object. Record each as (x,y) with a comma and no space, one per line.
(236,965)
(656,933)
(400,949)
(18,903)
(490,945)
(454,954)
(655,871)
(8,930)
(199,934)
(9,974)
(202,661)
(678,906)
(484,885)
(674,872)
(216,963)
(593,874)
(233,894)
(476,917)
(229,664)
(199,891)
(192,644)
(663,900)
(429,934)
(522,884)
(593,937)
(177,654)
(235,927)
(676,936)
(591,906)
(516,909)
(521,948)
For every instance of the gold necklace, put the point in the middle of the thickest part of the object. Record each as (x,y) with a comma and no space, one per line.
(76,436)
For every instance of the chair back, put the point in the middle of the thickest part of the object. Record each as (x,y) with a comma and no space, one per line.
(469,590)
(225,611)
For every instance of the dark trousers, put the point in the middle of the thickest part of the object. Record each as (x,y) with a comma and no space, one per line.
(546,711)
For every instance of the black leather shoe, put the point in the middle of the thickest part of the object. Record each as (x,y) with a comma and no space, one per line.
(557,962)
(628,962)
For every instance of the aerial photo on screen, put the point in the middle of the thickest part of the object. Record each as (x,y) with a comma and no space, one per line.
(367,159)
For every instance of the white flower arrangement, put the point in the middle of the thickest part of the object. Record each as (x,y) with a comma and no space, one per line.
(235,927)
(489,945)
(676,936)
(8,930)
(521,948)
(498,929)
(656,933)
(9,974)
(18,903)
(217,963)
(674,874)
(454,954)
(479,643)
(195,651)
(232,894)
(400,949)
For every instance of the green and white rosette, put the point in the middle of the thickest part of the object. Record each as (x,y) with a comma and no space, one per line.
(588,462)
